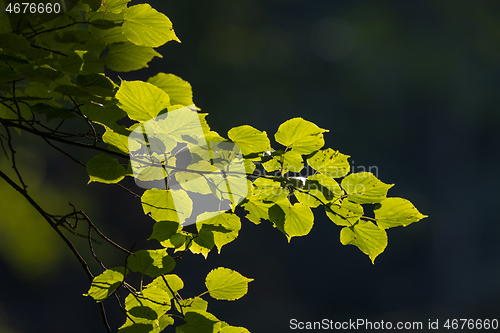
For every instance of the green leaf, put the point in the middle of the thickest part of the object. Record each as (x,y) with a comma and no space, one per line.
(264,189)
(318,189)
(148,305)
(345,213)
(73,91)
(299,220)
(113,6)
(364,187)
(395,212)
(109,35)
(145,26)
(115,140)
(301,135)
(126,57)
(198,321)
(107,116)
(151,262)
(192,304)
(174,284)
(194,182)
(180,241)
(13,42)
(141,101)
(167,205)
(131,327)
(51,112)
(163,230)
(44,74)
(91,62)
(105,169)
(106,283)
(290,161)
(72,63)
(257,210)
(330,163)
(369,238)
(234,329)
(249,139)
(96,84)
(79,36)
(226,284)
(179,91)
(94,4)
(202,243)
(224,226)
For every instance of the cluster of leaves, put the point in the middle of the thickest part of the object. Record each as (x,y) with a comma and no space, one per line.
(54,70)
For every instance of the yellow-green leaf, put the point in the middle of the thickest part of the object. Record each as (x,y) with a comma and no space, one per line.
(106,283)
(364,187)
(179,91)
(167,205)
(369,238)
(125,57)
(141,101)
(147,27)
(394,212)
(330,163)
(105,169)
(249,139)
(301,135)
(226,284)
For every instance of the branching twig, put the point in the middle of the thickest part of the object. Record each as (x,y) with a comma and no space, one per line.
(46,216)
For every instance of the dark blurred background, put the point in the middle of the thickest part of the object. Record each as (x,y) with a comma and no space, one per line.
(408,87)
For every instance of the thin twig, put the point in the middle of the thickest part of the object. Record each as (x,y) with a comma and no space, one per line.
(40,210)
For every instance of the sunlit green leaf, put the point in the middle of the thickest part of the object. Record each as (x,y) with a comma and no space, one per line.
(140,100)
(224,226)
(289,161)
(249,139)
(151,262)
(226,284)
(145,26)
(203,243)
(192,304)
(344,213)
(257,210)
(364,187)
(234,329)
(299,220)
(163,230)
(106,283)
(268,190)
(116,140)
(394,212)
(179,91)
(167,205)
(173,284)
(105,169)
(148,305)
(301,135)
(366,236)
(113,6)
(198,321)
(126,57)
(330,163)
